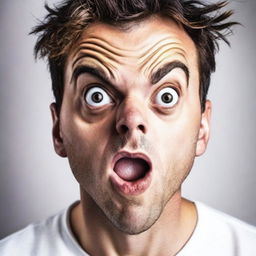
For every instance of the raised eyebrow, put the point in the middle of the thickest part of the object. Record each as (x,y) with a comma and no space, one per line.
(167,68)
(82,69)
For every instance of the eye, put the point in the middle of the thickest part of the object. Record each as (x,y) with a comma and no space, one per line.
(97,97)
(167,97)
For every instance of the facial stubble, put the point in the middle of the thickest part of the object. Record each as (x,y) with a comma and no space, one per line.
(129,215)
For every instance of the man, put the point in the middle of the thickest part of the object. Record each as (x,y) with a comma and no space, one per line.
(130,79)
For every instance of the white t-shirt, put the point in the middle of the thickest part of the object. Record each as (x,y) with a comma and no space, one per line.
(216,234)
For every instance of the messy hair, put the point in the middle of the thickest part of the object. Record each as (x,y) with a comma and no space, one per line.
(64,24)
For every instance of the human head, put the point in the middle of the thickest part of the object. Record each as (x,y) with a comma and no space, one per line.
(64,24)
(101,142)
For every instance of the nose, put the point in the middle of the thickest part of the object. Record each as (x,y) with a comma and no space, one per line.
(131,117)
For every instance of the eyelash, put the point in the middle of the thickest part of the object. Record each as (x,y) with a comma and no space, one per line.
(88,87)
(176,88)
(114,98)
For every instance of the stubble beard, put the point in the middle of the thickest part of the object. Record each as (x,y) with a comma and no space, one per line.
(146,217)
(133,217)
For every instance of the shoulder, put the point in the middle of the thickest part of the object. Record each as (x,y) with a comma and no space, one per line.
(48,237)
(218,232)
(28,240)
(217,220)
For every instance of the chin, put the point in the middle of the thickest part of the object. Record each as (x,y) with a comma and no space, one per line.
(134,219)
(130,227)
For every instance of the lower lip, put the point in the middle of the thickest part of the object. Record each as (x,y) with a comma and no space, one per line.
(131,188)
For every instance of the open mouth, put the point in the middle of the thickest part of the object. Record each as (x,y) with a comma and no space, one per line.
(131,169)
(131,173)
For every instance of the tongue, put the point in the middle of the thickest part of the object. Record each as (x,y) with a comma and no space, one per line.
(130,169)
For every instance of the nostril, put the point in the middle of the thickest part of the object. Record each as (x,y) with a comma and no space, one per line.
(142,128)
(123,129)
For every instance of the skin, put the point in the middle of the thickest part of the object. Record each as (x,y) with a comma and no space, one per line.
(158,221)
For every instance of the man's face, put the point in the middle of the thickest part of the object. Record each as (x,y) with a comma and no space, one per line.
(130,123)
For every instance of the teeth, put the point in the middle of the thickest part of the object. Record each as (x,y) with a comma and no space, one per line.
(131,169)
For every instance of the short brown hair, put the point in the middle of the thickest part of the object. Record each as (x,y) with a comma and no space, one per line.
(63,25)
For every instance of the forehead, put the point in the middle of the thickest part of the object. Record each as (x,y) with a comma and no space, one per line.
(143,46)
(151,28)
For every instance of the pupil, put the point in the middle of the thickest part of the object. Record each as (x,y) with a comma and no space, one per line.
(167,98)
(97,97)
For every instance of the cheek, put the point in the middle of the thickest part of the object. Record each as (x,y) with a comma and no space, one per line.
(85,145)
(177,141)
(179,153)
(176,136)
(86,137)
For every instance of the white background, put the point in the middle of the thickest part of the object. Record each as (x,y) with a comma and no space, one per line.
(35,182)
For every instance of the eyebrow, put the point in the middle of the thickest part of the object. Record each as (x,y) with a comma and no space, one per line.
(90,70)
(155,77)
(167,68)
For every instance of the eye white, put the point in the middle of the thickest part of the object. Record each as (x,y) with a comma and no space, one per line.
(167,97)
(97,97)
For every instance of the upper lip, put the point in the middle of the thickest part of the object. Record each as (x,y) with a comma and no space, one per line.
(123,154)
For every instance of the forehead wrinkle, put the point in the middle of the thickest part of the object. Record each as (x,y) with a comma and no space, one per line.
(104,47)
(166,52)
(92,53)
(92,58)
(154,56)
(158,58)
(153,48)
(165,42)
(118,51)
(107,46)
(159,51)
(92,62)
(105,43)
(99,50)
(150,64)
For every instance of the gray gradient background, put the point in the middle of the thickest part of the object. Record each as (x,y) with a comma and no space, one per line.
(35,182)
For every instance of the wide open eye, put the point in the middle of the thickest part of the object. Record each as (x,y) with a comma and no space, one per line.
(97,97)
(167,97)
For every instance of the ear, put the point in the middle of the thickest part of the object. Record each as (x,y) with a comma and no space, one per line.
(204,131)
(56,133)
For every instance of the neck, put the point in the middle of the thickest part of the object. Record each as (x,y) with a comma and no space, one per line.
(166,237)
